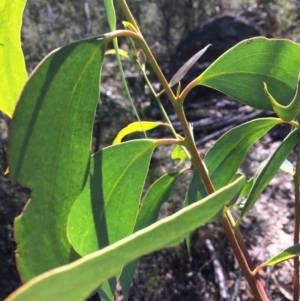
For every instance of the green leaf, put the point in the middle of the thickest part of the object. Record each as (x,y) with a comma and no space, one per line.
(186,67)
(13,71)
(111,14)
(269,171)
(178,153)
(75,281)
(156,195)
(283,255)
(228,153)
(137,127)
(50,150)
(121,52)
(111,17)
(288,112)
(106,210)
(285,167)
(241,71)
(247,188)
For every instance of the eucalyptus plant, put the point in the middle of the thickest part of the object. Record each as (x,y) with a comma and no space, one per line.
(86,226)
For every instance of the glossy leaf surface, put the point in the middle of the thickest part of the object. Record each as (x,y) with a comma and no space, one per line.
(75,281)
(106,210)
(49,150)
(269,171)
(241,71)
(286,167)
(226,156)
(13,71)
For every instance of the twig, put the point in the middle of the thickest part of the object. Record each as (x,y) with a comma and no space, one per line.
(219,275)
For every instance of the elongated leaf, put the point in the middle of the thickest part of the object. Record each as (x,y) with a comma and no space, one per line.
(283,255)
(106,210)
(137,127)
(269,171)
(225,157)
(13,71)
(186,67)
(50,150)
(288,112)
(75,281)
(157,194)
(228,153)
(241,71)
(111,14)
(196,190)
(285,167)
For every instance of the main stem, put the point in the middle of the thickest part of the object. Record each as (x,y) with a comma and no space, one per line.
(237,245)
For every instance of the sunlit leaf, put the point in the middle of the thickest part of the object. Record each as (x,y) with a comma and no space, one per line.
(12,71)
(75,281)
(130,26)
(241,71)
(106,210)
(121,52)
(286,254)
(285,167)
(49,150)
(226,156)
(137,127)
(178,153)
(186,67)
(269,171)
